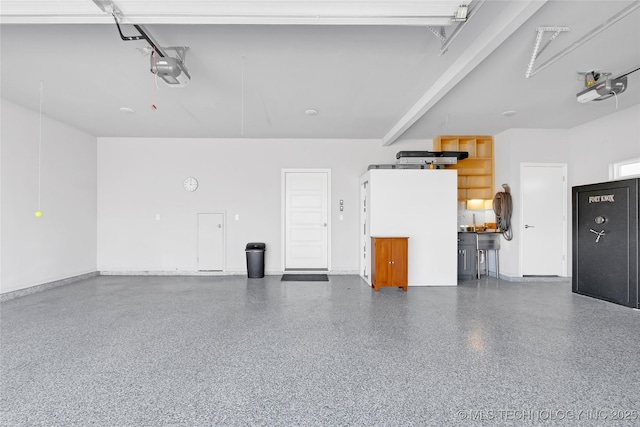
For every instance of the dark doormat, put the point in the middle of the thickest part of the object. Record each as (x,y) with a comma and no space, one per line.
(305,278)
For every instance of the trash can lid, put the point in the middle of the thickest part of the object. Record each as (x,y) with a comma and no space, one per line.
(256,245)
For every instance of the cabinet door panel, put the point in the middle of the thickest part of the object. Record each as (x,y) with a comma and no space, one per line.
(383,256)
(400,269)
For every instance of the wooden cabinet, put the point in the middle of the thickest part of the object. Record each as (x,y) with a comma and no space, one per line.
(476,173)
(389,262)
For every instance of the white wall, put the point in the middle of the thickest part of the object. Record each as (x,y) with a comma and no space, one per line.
(421,205)
(139,178)
(588,150)
(597,144)
(512,148)
(62,243)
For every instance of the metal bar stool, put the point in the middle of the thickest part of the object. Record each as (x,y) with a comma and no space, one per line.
(489,242)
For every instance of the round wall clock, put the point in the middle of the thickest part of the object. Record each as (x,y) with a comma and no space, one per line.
(191,184)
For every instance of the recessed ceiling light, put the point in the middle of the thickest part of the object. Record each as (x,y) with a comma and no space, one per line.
(509,113)
(311,112)
(127,110)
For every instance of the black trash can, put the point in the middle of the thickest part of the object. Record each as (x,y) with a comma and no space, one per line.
(255,260)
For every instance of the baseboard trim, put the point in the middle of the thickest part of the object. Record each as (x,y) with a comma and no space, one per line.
(209,273)
(45,286)
(169,273)
(538,279)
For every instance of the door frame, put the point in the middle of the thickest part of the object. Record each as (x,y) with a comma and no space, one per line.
(564,213)
(283,202)
(224,240)
(363,232)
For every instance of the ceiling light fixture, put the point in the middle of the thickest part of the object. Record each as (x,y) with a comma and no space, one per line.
(311,112)
(127,110)
(509,113)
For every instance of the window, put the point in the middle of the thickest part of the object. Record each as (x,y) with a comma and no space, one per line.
(625,169)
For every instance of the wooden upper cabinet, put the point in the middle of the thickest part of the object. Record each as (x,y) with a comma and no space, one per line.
(476,173)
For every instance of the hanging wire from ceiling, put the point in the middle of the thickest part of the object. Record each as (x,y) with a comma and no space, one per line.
(39,211)
(242,96)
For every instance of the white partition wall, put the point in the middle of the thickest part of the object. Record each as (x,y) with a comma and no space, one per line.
(422,205)
(53,172)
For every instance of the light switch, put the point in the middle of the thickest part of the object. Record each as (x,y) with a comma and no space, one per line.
(157,217)
(341,217)
(237,217)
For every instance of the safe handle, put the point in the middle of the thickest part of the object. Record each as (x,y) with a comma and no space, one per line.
(528,226)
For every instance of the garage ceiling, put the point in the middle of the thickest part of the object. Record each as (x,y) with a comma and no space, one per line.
(372,69)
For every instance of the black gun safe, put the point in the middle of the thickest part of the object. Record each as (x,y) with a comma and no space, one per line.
(605,241)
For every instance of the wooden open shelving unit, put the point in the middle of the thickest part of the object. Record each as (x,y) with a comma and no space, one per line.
(476,173)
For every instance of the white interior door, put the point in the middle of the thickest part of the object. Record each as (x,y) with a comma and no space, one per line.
(306,220)
(210,242)
(544,224)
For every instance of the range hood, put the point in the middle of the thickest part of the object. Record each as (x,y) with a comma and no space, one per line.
(430,157)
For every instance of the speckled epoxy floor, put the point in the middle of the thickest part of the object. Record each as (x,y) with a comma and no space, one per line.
(155,351)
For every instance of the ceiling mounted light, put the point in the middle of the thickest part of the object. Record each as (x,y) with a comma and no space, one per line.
(509,113)
(127,110)
(311,112)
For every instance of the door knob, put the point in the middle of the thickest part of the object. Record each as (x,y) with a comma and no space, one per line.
(528,226)
(324,225)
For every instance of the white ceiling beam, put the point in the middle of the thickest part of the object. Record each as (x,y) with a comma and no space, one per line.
(286,12)
(514,14)
(227,20)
